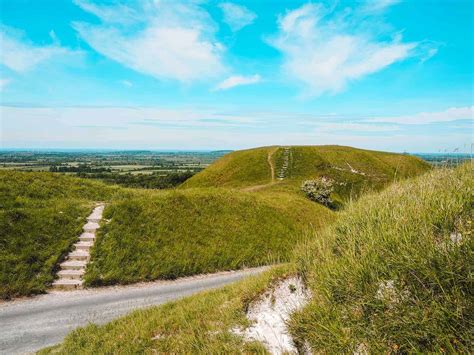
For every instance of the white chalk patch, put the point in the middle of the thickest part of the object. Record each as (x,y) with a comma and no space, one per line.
(271,313)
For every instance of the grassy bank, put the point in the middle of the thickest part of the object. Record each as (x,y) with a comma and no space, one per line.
(394,274)
(179,233)
(40,216)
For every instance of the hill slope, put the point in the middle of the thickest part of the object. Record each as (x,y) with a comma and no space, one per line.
(403,234)
(179,233)
(353,169)
(41,215)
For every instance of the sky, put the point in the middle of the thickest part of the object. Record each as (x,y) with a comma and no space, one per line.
(205,75)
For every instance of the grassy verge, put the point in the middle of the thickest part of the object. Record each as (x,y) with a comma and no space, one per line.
(179,233)
(394,274)
(41,214)
(197,324)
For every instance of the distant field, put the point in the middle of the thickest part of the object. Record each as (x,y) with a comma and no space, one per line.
(111,166)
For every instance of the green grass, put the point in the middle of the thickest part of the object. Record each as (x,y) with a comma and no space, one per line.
(40,216)
(401,234)
(151,235)
(185,232)
(197,324)
(248,168)
(237,169)
(172,233)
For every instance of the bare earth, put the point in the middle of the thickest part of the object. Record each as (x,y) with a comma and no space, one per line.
(27,325)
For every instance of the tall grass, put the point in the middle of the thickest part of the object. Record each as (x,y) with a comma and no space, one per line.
(395,272)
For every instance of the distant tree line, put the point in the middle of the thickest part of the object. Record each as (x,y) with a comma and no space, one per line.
(82,168)
(144,181)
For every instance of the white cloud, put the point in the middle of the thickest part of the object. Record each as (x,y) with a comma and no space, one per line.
(357,127)
(126,83)
(378,5)
(21,55)
(164,39)
(238,80)
(237,16)
(4,83)
(448,115)
(326,50)
(111,14)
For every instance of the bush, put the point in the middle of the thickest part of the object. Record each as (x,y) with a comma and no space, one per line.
(319,190)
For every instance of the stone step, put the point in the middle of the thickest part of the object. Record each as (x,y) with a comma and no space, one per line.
(73,265)
(71,274)
(67,284)
(84,245)
(90,226)
(87,237)
(79,255)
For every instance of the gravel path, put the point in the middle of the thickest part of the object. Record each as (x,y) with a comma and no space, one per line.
(27,325)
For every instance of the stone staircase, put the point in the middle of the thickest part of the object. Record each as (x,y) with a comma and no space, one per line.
(73,268)
(286,162)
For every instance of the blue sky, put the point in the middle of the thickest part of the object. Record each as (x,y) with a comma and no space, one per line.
(156,74)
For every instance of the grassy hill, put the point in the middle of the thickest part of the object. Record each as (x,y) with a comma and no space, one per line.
(40,216)
(393,274)
(354,170)
(235,213)
(179,233)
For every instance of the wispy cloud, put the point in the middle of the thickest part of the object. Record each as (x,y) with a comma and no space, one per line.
(154,127)
(448,115)
(237,16)
(377,5)
(126,83)
(21,55)
(4,83)
(357,127)
(164,39)
(326,48)
(238,80)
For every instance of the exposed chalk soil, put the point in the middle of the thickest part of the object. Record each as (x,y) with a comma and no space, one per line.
(270,314)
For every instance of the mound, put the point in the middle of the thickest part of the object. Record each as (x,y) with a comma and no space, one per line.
(285,168)
(177,233)
(40,216)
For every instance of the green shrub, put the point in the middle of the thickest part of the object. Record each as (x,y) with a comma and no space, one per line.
(319,190)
